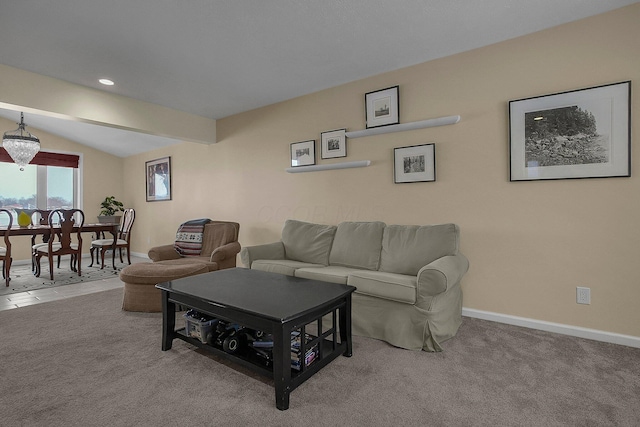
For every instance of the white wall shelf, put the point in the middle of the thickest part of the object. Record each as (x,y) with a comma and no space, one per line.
(329,166)
(440,121)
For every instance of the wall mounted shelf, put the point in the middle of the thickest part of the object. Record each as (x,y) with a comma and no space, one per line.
(440,121)
(329,166)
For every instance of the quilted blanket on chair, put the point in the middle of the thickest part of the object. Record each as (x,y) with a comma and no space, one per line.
(189,237)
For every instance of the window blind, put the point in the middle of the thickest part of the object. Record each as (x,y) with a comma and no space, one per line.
(45,158)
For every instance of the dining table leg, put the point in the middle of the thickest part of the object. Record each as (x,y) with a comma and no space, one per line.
(114,233)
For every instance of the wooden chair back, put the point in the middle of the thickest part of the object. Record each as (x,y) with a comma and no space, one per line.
(40,217)
(67,220)
(128,217)
(10,215)
(5,252)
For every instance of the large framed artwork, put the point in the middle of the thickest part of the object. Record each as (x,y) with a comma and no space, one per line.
(583,133)
(382,107)
(333,144)
(158,174)
(303,153)
(414,164)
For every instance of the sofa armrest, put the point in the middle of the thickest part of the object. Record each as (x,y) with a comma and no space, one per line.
(230,250)
(164,252)
(442,274)
(273,250)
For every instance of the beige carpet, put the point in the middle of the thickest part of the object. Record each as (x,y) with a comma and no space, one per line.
(84,362)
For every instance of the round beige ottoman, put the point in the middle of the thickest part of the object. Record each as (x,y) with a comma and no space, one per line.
(140,292)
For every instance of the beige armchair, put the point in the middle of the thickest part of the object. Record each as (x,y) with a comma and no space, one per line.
(219,248)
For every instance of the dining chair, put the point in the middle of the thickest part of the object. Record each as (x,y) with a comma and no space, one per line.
(123,239)
(39,217)
(5,251)
(61,241)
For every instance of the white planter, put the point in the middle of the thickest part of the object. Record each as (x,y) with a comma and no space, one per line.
(113,219)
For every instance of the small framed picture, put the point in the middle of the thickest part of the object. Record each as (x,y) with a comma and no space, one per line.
(334,144)
(414,164)
(303,153)
(158,174)
(583,133)
(382,107)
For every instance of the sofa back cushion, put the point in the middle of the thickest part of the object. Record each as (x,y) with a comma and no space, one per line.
(408,248)
(357,245)
(307,242)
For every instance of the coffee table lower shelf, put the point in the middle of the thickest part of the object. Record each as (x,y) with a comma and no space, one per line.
(247,360)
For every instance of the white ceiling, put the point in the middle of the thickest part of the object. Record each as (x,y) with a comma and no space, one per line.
(216,58)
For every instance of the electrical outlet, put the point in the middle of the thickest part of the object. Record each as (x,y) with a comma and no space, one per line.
(583,295)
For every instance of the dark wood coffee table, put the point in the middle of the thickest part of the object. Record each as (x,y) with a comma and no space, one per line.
(273,303)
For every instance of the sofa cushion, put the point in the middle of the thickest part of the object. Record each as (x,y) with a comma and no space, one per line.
(408,248)
(280,266)
(307,242)
(357,244)
(390,286)
(333,274)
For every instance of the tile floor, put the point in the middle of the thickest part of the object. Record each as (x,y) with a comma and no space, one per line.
(23,299)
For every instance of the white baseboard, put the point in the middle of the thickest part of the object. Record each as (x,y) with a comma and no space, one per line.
(575,331)
(140,255)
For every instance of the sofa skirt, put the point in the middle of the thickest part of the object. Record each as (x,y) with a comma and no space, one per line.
(405,325)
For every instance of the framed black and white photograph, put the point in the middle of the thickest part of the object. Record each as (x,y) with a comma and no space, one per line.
(158,173)
(303,153)
(333,144)
(414,164)
(583,133)
(382,107)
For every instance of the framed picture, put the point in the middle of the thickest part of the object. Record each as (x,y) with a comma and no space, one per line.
(414,164)
(382,107)
(158,174)
(303,153)
(583,133)
(333,143)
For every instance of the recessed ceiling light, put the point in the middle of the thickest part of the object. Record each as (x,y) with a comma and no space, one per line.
(106,82)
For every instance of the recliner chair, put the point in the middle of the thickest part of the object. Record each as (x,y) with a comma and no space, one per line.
(220,247)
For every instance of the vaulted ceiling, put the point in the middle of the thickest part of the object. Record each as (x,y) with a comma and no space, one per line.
(216,58)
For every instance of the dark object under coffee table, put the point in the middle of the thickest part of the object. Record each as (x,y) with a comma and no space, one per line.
(272,303)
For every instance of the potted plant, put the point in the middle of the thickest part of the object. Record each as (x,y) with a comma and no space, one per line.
(110,206)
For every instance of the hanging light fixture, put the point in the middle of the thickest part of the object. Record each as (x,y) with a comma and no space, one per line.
(20,144)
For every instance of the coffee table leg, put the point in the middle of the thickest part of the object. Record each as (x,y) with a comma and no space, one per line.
(282,366)
(168,321)
(345,326)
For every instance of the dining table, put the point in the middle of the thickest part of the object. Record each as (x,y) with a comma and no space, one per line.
(35,230)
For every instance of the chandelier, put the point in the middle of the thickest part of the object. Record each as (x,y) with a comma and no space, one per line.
(20,144)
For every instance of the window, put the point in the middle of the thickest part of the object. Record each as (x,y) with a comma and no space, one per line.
(50,184)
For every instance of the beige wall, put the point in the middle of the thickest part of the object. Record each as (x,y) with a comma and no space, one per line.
(530,243)
(102,176)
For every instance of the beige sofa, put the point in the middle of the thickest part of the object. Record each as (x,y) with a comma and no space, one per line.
(407,277)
